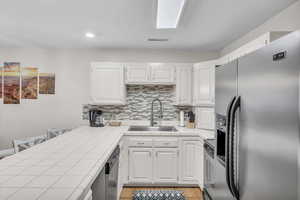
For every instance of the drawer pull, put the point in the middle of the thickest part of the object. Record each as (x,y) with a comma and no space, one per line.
(140,143)
(166,143)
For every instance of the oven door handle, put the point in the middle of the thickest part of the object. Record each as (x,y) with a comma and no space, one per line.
(235,107)
(227,144)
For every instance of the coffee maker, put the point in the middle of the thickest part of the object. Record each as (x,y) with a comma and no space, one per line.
(96,118)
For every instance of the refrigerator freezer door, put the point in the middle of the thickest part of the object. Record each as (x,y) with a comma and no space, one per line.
(269,122)
(226,86)
(226,89)
(299,134)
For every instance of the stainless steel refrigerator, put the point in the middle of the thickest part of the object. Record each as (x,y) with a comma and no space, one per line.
(257,119)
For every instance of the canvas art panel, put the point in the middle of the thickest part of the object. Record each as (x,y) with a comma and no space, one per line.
(47,83)
(11,93)
(1,74)
(29,83)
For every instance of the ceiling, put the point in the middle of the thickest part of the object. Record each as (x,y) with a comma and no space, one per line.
(205,25)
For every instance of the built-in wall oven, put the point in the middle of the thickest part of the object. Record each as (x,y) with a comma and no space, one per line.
(209,167)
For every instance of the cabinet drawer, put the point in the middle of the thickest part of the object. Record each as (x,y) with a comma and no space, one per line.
(140,142)
(165,143)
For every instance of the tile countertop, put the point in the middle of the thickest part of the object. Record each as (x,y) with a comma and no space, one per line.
(181,132)
(64,167)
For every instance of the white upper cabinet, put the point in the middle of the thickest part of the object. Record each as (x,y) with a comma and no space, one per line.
(205,118)
(204,84)
(107,85)
(137,73)
(155,73)
(184,85)
(162,73)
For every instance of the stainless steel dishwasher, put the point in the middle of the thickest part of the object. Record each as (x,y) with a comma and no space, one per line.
(111,175)
(105,187)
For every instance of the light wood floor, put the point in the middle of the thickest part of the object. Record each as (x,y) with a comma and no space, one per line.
(189,193)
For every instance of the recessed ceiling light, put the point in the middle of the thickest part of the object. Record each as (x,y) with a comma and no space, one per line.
(168,13)
(89,35)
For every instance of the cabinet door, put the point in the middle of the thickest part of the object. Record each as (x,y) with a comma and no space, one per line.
(140,165)
(200,163)
(204,84)
(107,85)
(137,73)
(184,85)
(166,165)
(209,169)
(162,73)
(189,161)
(205,118)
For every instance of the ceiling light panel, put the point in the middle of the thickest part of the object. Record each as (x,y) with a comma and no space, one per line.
(89,35)
(168,13)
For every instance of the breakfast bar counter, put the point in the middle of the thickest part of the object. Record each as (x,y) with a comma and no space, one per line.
(65,167)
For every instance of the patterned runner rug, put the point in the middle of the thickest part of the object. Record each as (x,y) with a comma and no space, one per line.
(158,195)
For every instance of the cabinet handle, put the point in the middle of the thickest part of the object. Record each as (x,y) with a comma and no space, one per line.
(140,143)
(166,143)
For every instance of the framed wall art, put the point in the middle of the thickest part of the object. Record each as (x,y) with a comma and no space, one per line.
(11,90)
(29,83)
(47,83)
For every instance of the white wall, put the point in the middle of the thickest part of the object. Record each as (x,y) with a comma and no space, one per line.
(287,20)
(64,109)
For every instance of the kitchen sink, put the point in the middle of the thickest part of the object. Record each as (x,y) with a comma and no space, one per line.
(151,128)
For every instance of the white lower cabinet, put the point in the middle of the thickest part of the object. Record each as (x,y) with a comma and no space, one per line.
(157,160)
(192,155)
(140,165)
(200,163)
(188,161)
(166,165)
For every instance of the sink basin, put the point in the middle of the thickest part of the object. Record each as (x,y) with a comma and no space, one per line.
(149,128)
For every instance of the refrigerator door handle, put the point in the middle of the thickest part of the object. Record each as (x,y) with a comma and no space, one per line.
(227,144)
(235,107)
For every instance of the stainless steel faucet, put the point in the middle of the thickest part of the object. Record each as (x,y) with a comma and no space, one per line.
(152,123)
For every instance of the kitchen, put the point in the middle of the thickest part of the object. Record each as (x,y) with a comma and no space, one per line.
(133,115)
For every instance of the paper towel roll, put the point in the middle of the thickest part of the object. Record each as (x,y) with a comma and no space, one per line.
(181,118)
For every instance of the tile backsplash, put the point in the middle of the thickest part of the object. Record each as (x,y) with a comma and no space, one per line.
(139,98)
